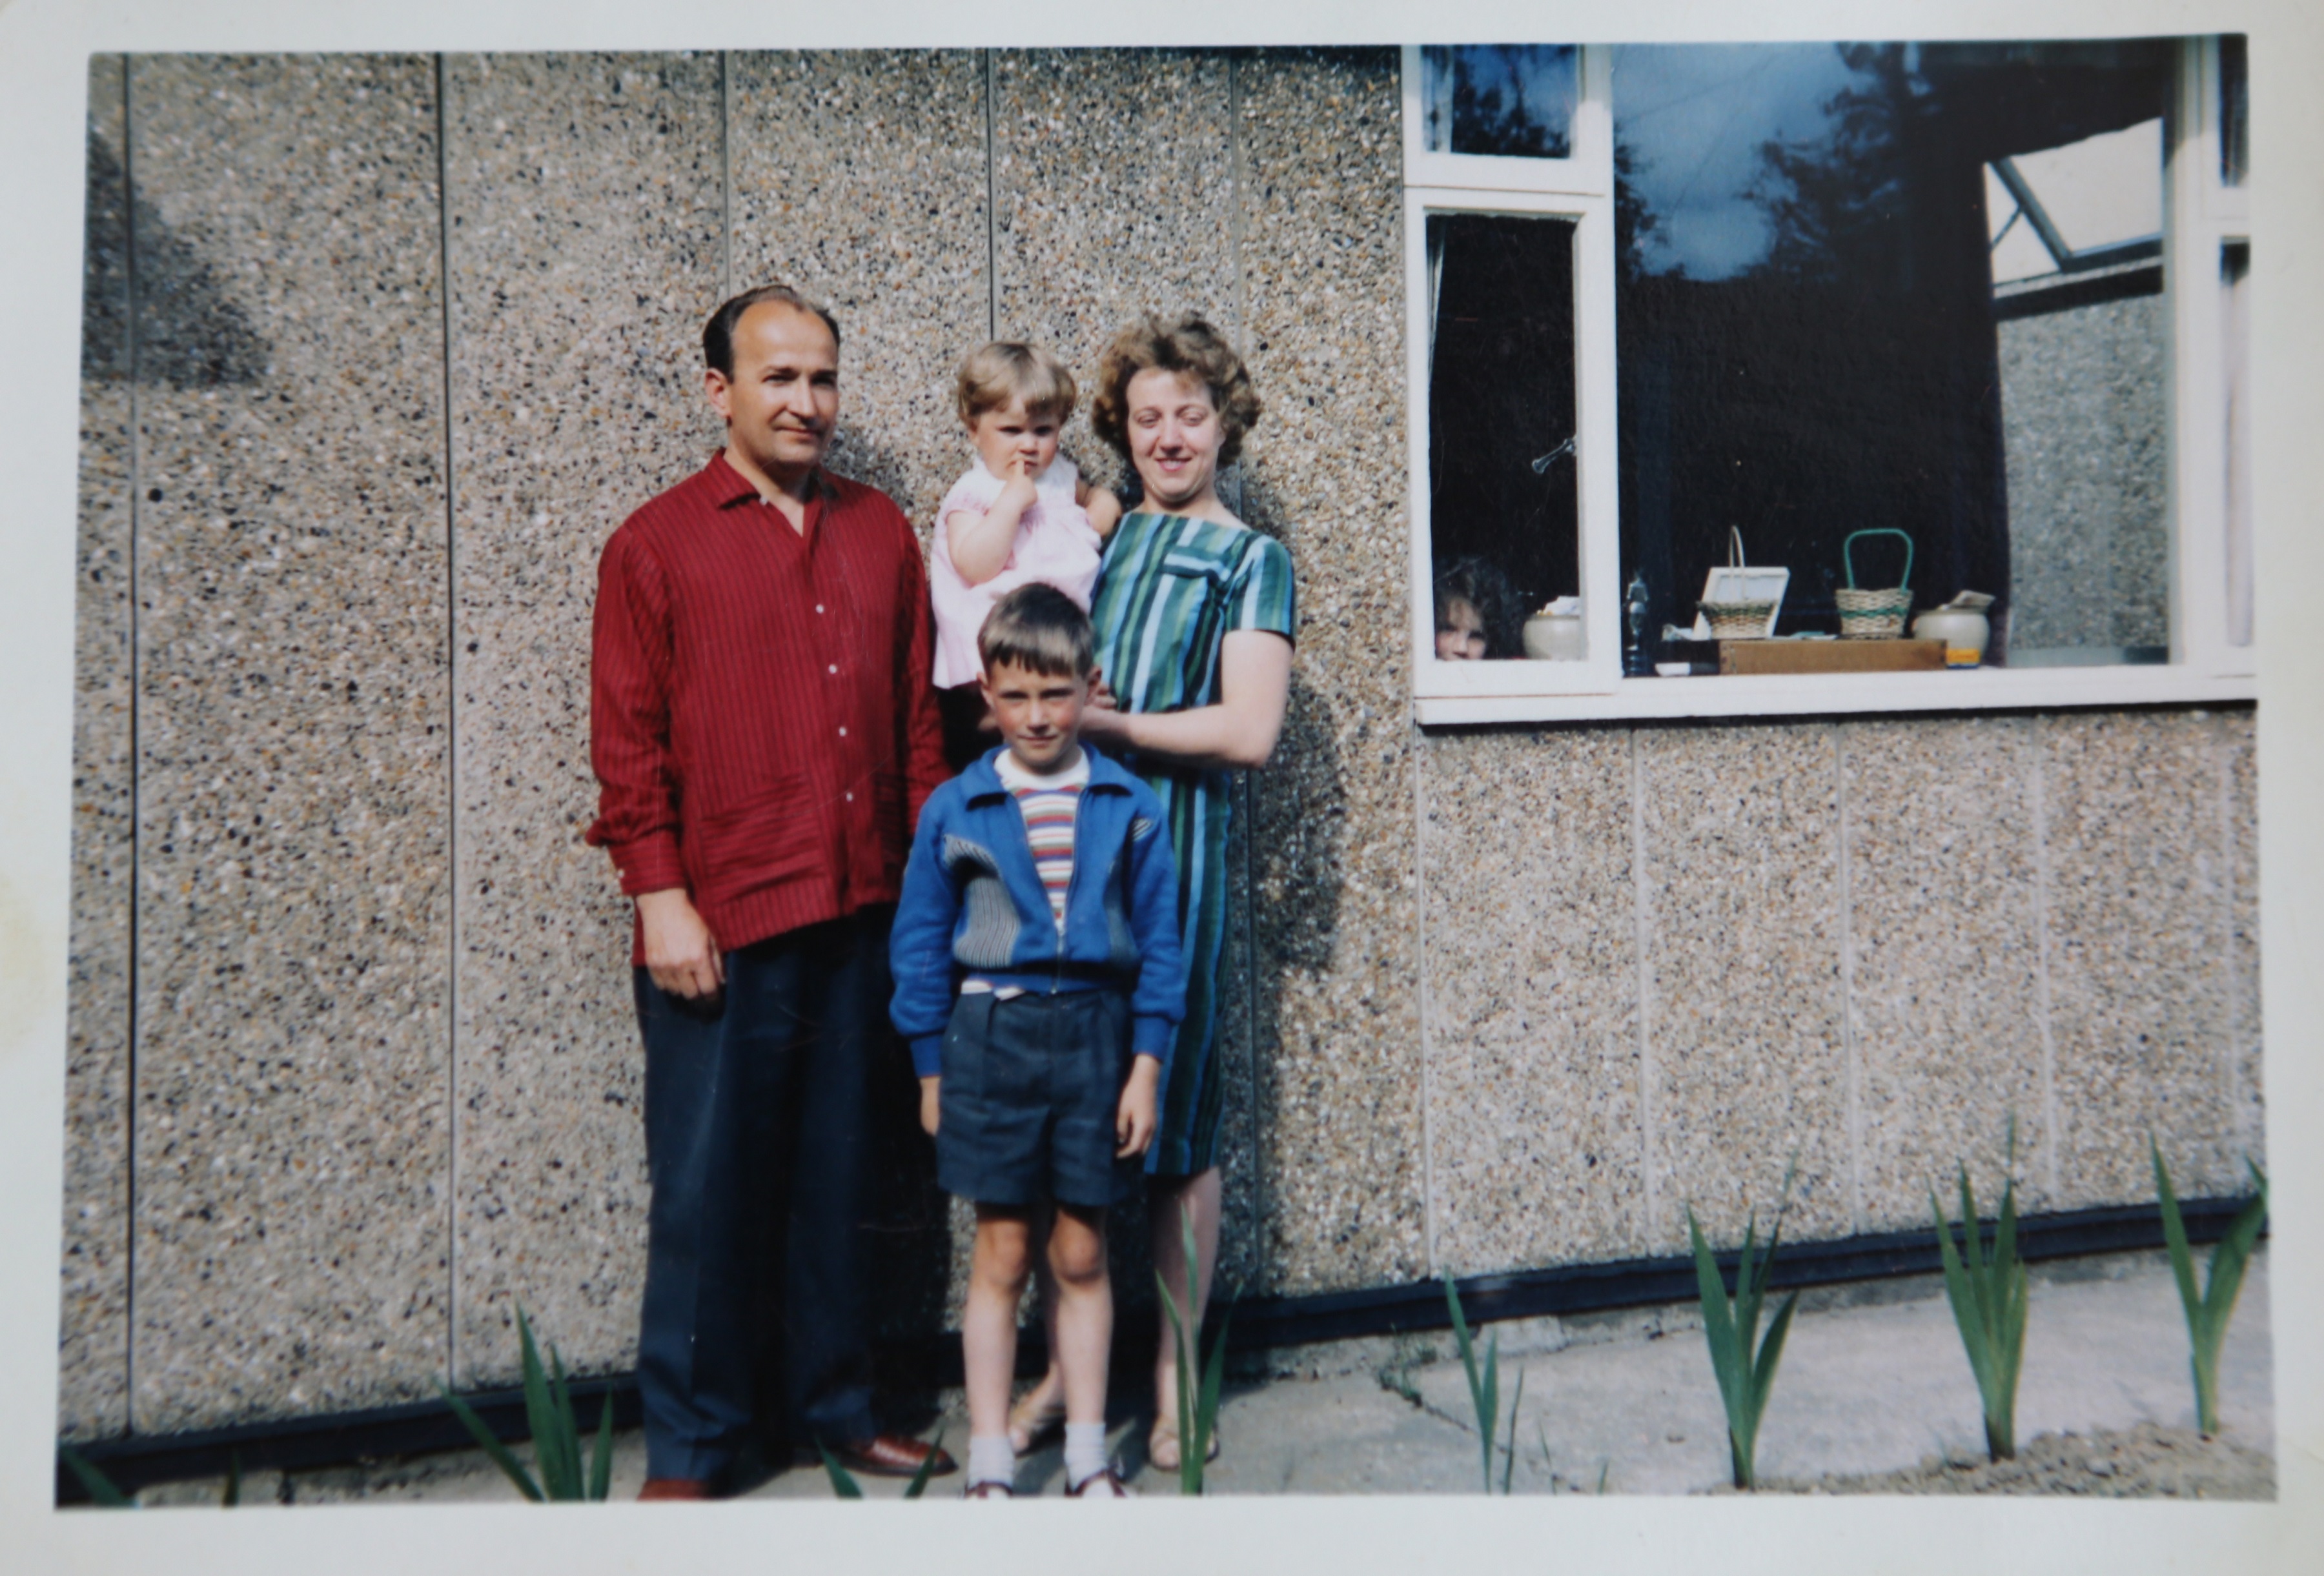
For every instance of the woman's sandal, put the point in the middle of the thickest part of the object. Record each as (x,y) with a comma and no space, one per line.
(987,1489)
(1162,1445)
(1031,1422)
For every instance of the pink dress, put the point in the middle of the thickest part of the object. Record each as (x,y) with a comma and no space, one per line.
(1055,545)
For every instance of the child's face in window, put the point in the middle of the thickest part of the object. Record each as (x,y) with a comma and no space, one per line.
(1460,631)
(1014,441)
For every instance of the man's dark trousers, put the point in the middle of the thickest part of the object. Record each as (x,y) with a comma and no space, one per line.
(755,1144)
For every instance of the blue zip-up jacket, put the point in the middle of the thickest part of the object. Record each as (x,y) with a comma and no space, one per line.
(974,903)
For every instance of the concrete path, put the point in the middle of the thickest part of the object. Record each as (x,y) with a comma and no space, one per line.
(1873,1380)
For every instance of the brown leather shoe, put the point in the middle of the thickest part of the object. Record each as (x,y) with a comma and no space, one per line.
(675,1488)
(888,1455)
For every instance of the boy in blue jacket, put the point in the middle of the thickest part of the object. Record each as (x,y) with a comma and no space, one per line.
(1038,977)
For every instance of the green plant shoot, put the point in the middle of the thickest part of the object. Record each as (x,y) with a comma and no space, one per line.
(1987,1290)
(1485,1388)
(103,1492)
(556,1432)
(1198,1409)
(2208,1311)
(844,1483)
(1745,1365)
(1509,1460)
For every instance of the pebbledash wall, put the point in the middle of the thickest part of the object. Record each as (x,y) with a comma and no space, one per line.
(379,349)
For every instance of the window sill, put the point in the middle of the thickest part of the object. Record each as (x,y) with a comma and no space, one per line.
(1827,693)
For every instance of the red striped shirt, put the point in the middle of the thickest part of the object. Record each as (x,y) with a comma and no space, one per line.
(762,723)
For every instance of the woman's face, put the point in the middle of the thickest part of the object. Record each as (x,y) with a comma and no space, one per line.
(1173,436)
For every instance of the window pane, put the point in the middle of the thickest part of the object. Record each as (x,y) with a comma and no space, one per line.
(1514,100)
(1502,477)
(2235,104)
(2235,274)
(2085,361)
(1835,313)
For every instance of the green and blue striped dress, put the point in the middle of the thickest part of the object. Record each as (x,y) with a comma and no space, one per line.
(1170,589)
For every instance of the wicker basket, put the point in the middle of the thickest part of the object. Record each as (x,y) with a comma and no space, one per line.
(1738,621)
(1873,615)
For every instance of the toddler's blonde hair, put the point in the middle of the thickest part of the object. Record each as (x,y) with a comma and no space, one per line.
(1005,370)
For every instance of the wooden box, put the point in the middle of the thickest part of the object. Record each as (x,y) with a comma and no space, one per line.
(1830,656)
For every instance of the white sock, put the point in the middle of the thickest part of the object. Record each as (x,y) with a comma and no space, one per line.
(1084,1452)
(991,1459)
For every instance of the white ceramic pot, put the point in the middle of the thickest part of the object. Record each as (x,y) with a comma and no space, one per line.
(1963,630)
(1555,637)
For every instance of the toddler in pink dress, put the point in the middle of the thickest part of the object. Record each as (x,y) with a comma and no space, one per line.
(1021,513)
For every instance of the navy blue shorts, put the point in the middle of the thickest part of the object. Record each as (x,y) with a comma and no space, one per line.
(1030,1088)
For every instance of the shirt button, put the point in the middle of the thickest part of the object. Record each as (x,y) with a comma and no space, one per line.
(851,798)
(818,607)
(835,666)
(843,733)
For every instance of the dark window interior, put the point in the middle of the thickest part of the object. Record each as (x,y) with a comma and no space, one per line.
(1501,474)
(2235,107)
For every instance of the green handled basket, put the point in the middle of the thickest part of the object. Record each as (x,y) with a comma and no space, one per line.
(1873,615)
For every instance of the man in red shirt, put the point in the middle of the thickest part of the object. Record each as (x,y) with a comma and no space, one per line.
(763,734)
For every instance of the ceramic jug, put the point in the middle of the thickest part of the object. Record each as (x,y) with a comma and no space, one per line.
(1961,625)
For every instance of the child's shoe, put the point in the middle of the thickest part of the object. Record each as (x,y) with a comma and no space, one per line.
(1102,1484)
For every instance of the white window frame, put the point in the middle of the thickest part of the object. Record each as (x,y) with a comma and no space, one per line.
(2200,213)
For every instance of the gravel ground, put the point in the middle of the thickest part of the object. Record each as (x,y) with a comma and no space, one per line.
(2149,1461)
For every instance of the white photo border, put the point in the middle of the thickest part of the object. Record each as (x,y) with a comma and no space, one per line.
(44,46)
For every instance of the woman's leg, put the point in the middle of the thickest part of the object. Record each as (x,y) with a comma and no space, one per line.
(1168,1201)
(988,1324)
(1084,1317)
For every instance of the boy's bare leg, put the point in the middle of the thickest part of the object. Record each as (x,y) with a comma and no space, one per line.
(988,1324)
(1050,1391)
(1084,1317)
(1165,1201)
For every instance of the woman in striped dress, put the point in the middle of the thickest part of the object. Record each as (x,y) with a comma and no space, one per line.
(1194,620)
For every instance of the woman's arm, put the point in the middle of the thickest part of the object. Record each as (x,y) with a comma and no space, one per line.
(1240,731)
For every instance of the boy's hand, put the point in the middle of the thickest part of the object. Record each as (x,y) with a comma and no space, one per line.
(1133,1120)
(928,1104)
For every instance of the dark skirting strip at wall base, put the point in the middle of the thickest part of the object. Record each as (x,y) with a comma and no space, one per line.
(382,1433)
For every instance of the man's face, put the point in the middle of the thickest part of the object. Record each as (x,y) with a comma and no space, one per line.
(1039,714)
(783,401)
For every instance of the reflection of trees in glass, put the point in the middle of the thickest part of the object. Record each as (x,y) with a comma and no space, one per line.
(1840,379)
(1836,202)
(1634,224)
(1486,122)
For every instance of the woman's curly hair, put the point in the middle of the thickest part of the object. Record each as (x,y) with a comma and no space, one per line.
(1190,347)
